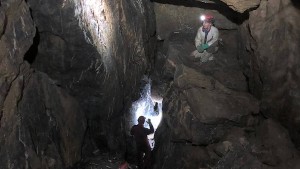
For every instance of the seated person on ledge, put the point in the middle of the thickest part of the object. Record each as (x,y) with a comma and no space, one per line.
(206,40)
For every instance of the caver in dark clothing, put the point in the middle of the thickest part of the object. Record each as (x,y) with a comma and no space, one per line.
(140,134)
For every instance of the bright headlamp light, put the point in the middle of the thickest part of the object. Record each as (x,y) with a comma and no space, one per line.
(202,17)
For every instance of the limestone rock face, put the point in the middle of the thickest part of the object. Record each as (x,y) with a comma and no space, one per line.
(198,114)
(87,60)
(98,51)
(241,5)
(41,125)
(197,133)
(237,5)
(15,39)
(202,106)
(277,148)
(210,100)
(270,46)
(171,18)
(222,122)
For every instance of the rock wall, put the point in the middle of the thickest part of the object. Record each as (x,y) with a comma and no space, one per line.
(206,124)
(41,124)
(202,127)
(68,73)
(172,18)
(99,52)
(271,57)
(237,5)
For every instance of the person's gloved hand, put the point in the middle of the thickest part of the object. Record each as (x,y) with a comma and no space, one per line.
(200,49)
(205,46)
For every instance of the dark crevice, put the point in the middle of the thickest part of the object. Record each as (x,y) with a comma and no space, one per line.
(219,6)
(296,3)
(3,26)
(30,11)
(32,52)
(248,82)
(49,33)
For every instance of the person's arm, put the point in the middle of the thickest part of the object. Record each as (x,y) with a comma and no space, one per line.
(151,130)
(215,38)
(198,38)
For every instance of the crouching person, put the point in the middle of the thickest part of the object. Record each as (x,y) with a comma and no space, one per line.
(206,40)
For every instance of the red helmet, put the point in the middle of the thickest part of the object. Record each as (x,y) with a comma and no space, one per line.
(208,18)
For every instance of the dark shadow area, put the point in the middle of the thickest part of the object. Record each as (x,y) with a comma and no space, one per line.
(296,3)
(32,52)
(3,26)
(30,10)
(221,7)
(248,82)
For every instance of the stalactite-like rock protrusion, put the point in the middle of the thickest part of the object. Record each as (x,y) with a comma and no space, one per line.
(237,5)
(241,5)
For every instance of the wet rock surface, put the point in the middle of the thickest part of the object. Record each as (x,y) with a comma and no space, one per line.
(212,124)
(69,71)
(271,59)
(98,52)
(265,58)
(73,96)
(52,124)
(42,126)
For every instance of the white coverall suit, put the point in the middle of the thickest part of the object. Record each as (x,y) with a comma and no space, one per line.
(211,40)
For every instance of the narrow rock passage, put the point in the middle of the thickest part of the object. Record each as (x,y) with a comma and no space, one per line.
(210,119)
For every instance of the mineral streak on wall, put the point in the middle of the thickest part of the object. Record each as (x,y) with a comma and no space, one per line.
(95,19)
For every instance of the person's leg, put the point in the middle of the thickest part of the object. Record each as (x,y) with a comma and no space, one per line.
(213,48)
(208,56)
(147,159)
(205,56)
(195,56)
(140,159)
